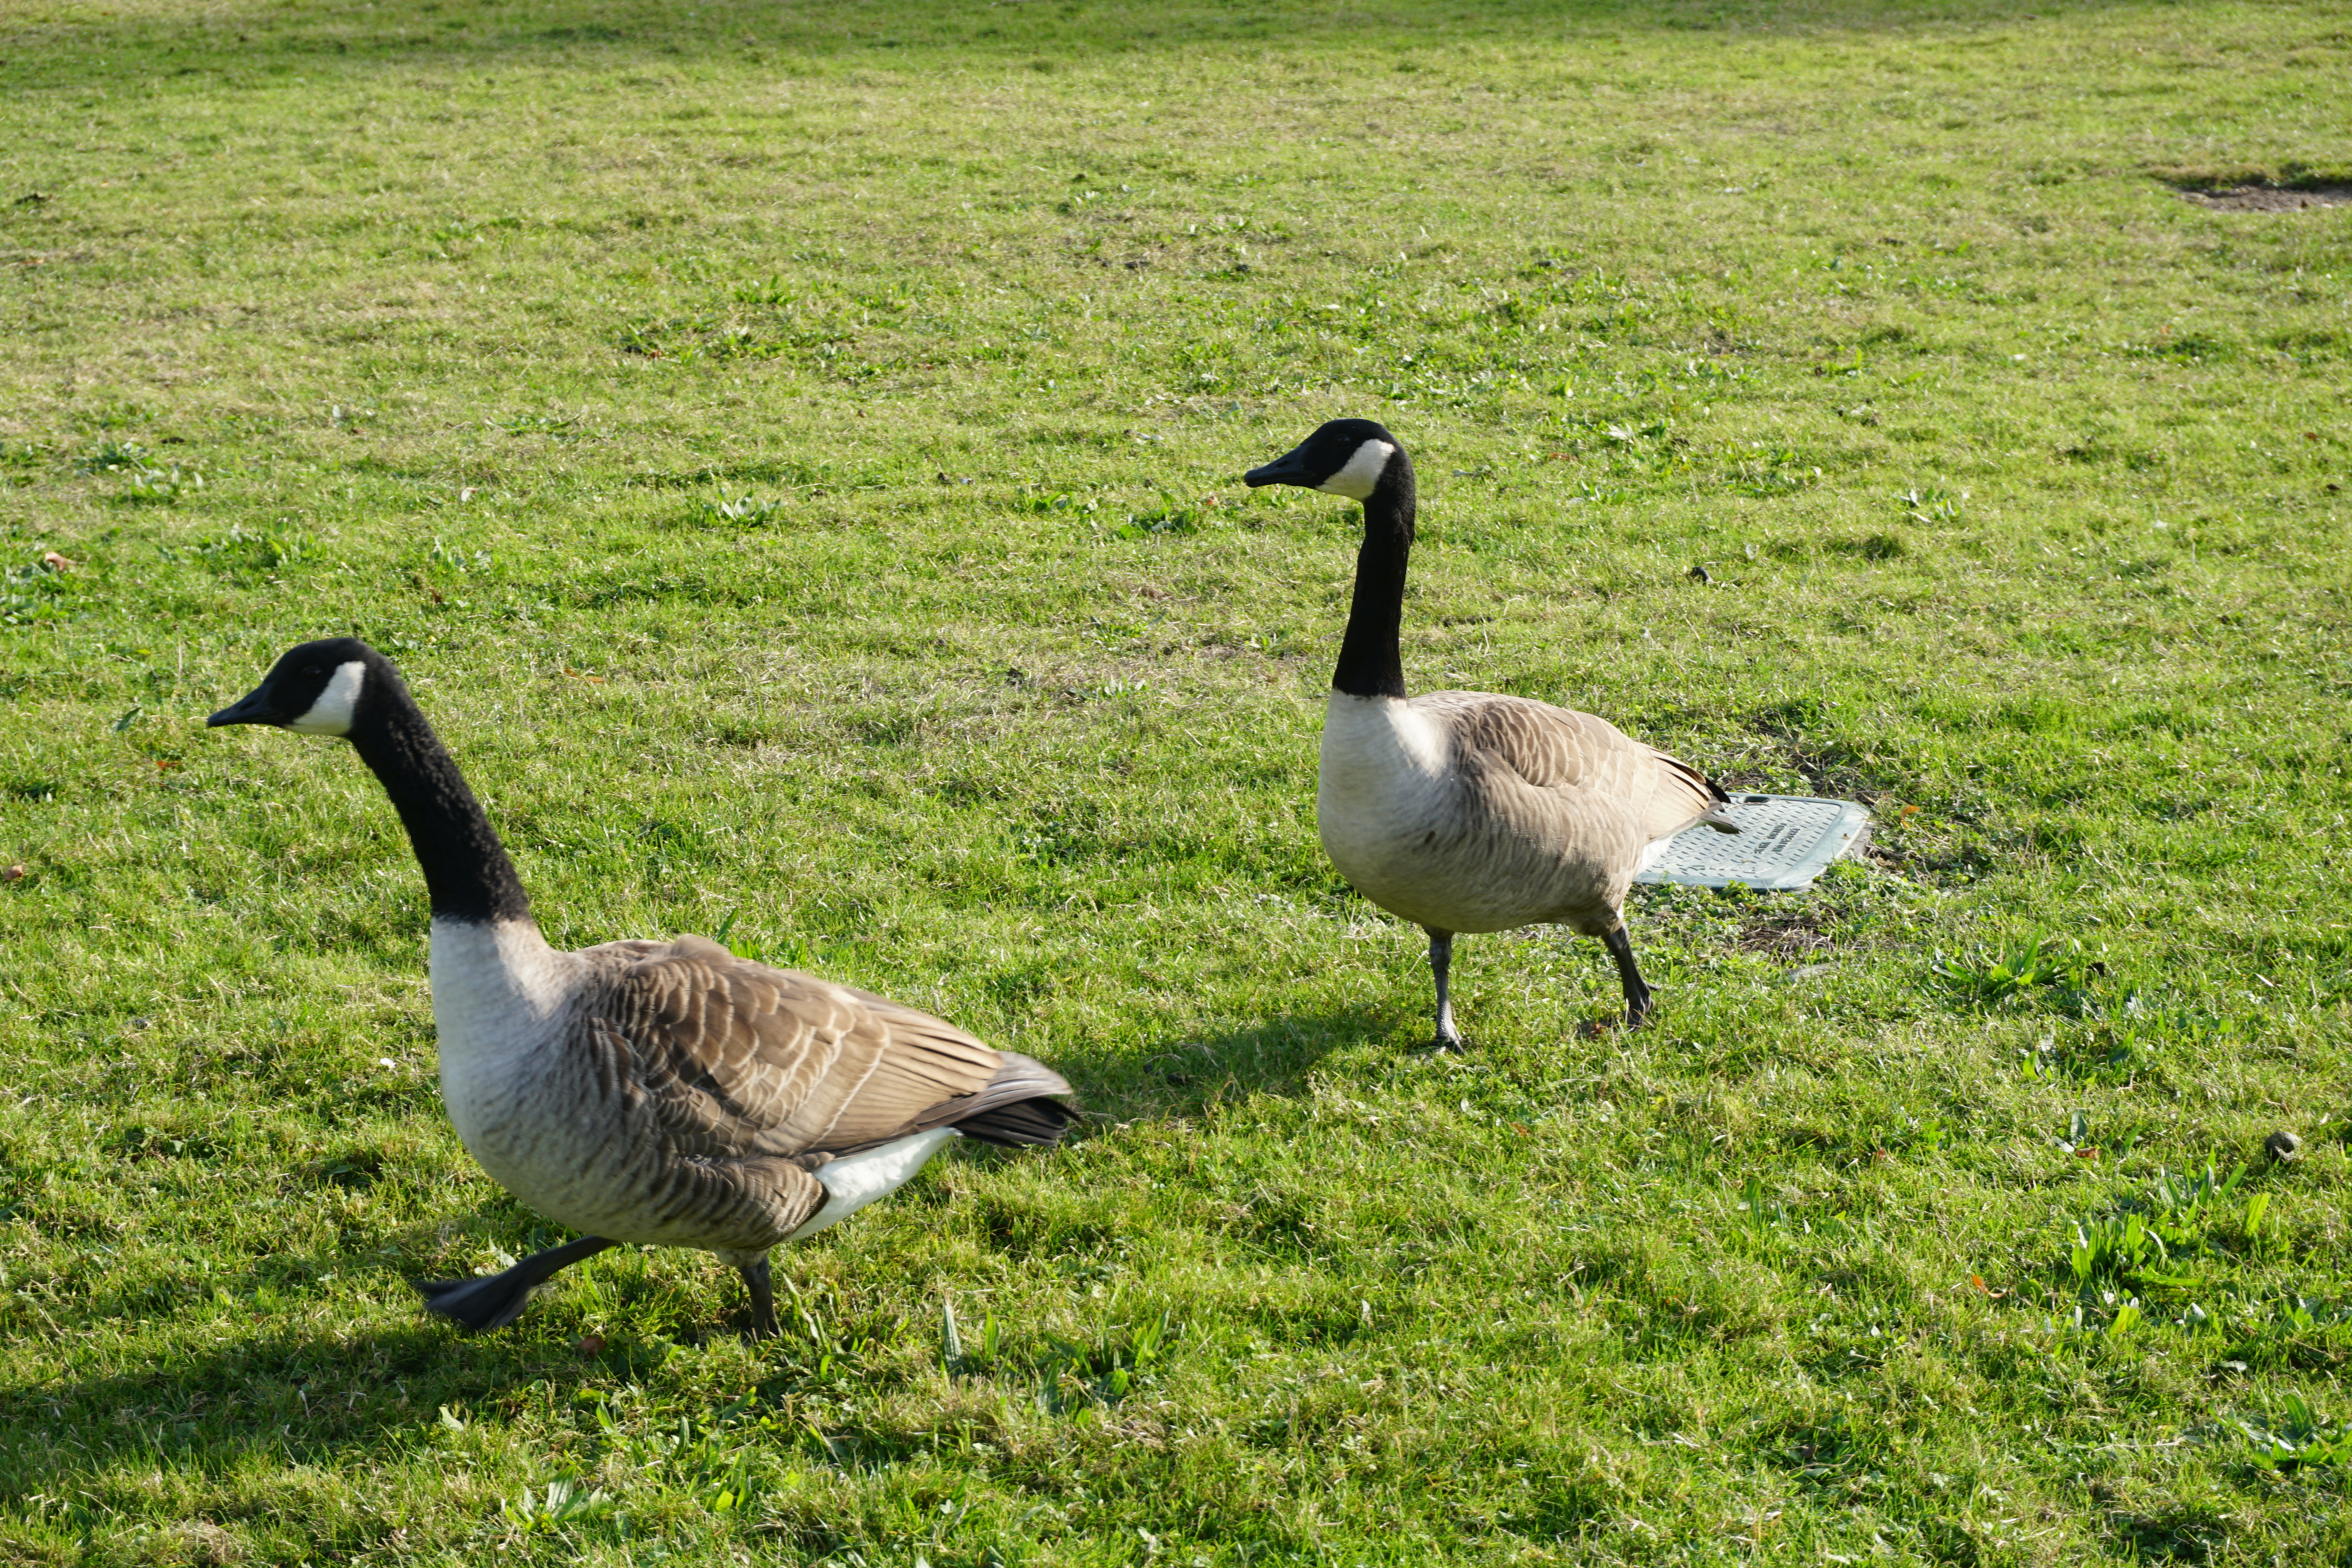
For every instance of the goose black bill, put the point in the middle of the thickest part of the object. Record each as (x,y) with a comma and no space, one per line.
(254,708)
(1288,469)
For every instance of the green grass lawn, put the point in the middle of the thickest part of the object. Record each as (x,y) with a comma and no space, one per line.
(794,452)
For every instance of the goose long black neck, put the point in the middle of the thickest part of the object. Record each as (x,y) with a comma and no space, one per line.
(466,872)
(1370,665)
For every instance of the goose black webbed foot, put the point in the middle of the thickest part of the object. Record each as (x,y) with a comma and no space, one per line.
(490,1302)
(757,1281)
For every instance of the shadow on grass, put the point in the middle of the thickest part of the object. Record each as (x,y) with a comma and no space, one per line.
(256,40)
(1184,1077)
(294,1396)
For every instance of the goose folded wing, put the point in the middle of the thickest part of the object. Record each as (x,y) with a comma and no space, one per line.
(739,1058)
(1576,754)
(1546,746)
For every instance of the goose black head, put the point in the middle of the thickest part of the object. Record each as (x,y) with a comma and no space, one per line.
(317,688)
(1344,457)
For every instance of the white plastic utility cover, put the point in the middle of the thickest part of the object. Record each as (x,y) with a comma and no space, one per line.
(1784,841)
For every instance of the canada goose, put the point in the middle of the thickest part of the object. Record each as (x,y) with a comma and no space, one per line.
(1462,810)
(664,1093)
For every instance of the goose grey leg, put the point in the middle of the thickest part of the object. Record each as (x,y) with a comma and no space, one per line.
(763,1298)
(1637,991)
(1441,962)
(493,1301)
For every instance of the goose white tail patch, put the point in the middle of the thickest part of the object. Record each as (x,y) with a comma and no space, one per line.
(332,714)
(855,1180)
(1362,474)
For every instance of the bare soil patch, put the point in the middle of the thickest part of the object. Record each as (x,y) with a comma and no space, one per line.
(2272,198)
(1790,932)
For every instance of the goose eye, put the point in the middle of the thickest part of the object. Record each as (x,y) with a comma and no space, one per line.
(311,670)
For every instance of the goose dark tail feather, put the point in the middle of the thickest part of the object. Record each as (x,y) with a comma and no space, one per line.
(1712,817)
(1017,1108)
(1713,795)
(1025,1123)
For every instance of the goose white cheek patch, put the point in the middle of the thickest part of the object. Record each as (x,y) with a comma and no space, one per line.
(1362,474)
(332,714)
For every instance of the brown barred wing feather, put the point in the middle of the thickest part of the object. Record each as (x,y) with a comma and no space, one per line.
(1576,754)
(1547,747)
(772,1062)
